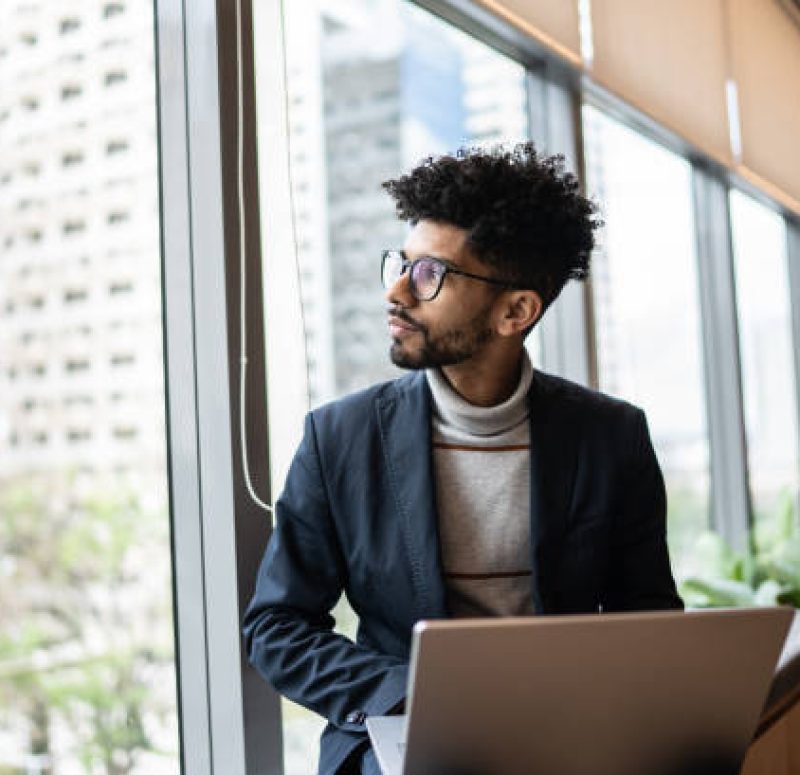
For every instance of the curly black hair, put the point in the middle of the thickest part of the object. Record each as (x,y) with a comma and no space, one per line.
(524,214)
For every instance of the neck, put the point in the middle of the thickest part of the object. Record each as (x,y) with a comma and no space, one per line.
(488,382)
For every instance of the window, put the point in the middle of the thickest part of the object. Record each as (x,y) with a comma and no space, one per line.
(113,9)
(75,365)
(115,77)
(117,217)
(69,25)
(120,288)
(75,295)
(114,147)
(360,113)
(647,310)
(70,92)
(123,359)
(71,158)
(87,682)
(73,227)
(768,381)
(112,42)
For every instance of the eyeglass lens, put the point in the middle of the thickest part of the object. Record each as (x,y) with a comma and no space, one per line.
(426,277)
(426,274)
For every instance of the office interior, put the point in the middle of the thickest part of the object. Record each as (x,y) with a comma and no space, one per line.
(191,223)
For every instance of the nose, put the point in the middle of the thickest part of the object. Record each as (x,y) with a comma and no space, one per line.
(399,294)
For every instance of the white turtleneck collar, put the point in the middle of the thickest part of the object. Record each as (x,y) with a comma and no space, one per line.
(450,409)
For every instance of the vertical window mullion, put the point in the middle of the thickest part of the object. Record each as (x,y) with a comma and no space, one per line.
(191,658)
(217,532)
(730,509)
(554,106)
(793,264)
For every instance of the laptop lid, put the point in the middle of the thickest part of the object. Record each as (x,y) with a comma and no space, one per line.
(667,693)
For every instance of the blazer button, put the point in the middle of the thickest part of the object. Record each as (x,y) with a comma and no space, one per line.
(356,717)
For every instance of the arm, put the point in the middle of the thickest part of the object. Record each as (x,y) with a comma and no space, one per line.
(641,577)
(288,626)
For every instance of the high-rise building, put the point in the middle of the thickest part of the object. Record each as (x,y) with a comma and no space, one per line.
(363,108)
(495,97)
(81,385)
(387,104)
(82,415)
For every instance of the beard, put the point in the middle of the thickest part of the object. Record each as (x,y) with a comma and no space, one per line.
(445,349)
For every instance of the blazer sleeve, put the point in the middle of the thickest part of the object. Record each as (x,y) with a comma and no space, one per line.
(288,624)
(641,576)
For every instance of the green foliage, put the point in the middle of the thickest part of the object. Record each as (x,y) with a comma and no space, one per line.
(79,638)
(769,574)
(687,517)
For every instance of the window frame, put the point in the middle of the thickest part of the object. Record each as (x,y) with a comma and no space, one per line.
(229,719)
(731,508)
(793,267)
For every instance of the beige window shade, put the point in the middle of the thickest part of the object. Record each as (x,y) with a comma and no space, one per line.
(668,59)
(765,59)
(552,22)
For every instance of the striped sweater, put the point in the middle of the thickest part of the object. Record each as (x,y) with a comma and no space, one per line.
(482,476)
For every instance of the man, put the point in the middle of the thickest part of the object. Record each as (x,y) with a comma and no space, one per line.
(472,486)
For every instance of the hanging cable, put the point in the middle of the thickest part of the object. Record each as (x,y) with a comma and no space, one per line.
(242,268)
(242,252)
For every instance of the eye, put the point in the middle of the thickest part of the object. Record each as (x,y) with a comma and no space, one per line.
(428,272)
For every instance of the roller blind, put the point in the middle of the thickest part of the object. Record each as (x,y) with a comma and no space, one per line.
(765,60)
(669,60)
(552,22)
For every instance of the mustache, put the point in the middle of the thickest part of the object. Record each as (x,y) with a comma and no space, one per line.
(401,314)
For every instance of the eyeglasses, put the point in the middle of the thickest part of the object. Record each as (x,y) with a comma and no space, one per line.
(426,274)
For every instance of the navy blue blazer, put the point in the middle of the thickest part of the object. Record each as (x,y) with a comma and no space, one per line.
(358,515)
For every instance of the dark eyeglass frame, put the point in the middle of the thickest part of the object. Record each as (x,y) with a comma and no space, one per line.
(445,267)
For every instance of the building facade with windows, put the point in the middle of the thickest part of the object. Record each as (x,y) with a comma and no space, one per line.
(87,674)
(80,276)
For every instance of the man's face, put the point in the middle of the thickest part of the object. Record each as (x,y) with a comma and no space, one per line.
(454,326)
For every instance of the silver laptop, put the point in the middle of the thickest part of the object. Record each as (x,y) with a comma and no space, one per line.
(624,694)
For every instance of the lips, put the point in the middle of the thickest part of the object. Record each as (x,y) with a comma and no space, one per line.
(399,328)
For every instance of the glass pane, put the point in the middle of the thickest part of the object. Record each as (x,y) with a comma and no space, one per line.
(647,309)
(363,108)
(87,677)
(762,299)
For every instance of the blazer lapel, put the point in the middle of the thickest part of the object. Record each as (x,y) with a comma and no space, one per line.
(553,467)
(405,426)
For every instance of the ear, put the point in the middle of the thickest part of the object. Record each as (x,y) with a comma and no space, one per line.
(521,309)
